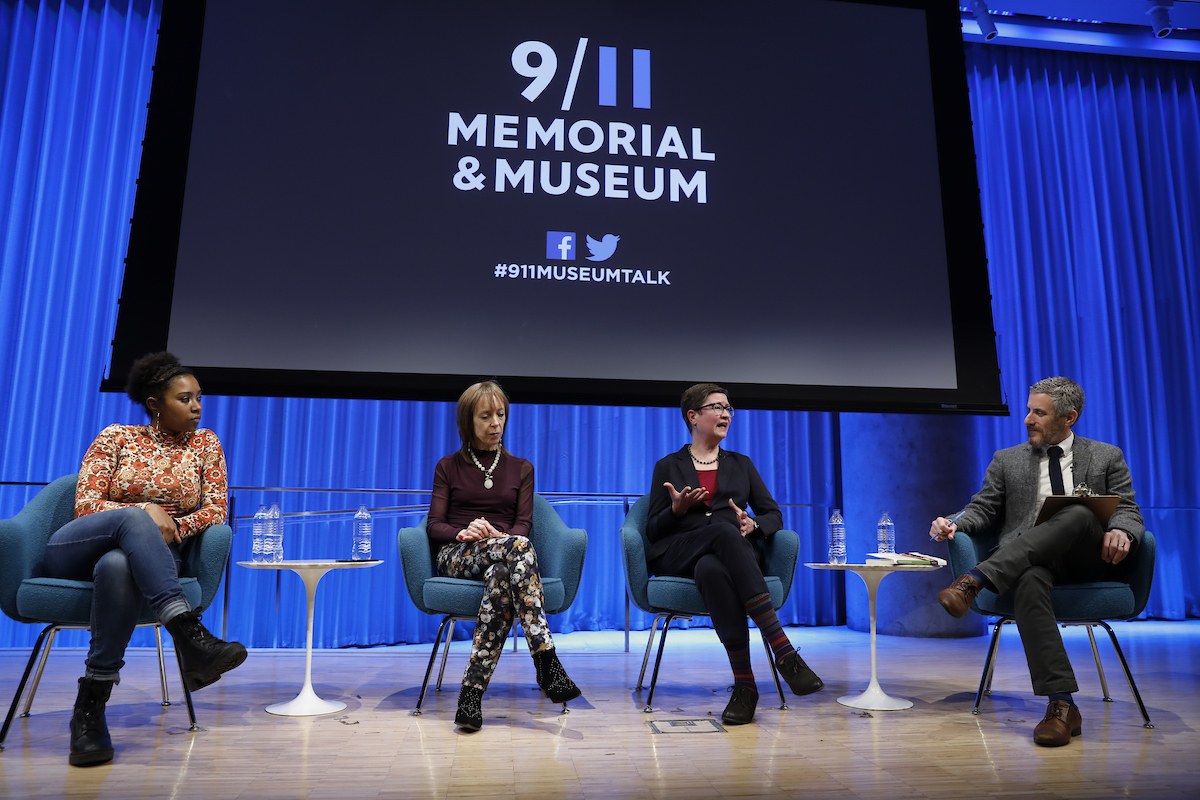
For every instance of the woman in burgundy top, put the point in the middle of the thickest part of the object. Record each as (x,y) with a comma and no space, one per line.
(142,491)
(479,521)
(704,533)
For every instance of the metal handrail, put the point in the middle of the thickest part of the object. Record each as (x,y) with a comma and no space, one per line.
(623,498)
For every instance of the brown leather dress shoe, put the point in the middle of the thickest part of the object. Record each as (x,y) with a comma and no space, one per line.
(957,597)
(1061,723)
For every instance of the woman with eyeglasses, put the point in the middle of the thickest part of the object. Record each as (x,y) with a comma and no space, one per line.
(699,528)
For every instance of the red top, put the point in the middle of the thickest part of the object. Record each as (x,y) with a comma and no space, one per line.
(708,480)
(136,465)
(459,497)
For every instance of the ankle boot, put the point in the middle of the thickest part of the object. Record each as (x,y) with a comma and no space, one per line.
(202,656)
(90,742)
(470,708)
(553,678)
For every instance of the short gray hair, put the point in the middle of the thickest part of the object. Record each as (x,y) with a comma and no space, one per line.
(1066,394)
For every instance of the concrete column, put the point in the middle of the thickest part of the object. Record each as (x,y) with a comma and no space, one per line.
(915,467)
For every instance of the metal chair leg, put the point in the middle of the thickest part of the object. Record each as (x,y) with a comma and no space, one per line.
(445,653)
(12,710)
(783,706)
(662,641)
(42,648)
(432,658)
(37,676)
(991,673)
(1099,666)
(985,680)
(649,644)
(1128,675)
(162,668)
(187,693)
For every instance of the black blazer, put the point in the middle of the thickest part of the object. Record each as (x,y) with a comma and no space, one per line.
(736,478)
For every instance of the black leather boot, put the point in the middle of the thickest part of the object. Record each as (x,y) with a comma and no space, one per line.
(553,678)
(470,709)
(90,742)
(203,657)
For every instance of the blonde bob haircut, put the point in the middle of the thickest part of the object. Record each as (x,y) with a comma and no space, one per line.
(468,402)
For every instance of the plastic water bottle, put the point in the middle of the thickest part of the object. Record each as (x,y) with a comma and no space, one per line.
(274,550)
(886,530)
(837,538)
(258,547)
(361,549)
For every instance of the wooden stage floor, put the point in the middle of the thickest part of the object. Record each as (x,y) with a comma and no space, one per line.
(607,748)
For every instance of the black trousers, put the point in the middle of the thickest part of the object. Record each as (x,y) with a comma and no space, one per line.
(1063,549)
(727,568)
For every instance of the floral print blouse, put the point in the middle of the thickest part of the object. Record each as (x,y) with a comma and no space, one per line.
(139,465)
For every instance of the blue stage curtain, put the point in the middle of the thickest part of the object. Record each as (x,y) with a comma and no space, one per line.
(1108,226)
(74,78)
(1089,171)
(75,81)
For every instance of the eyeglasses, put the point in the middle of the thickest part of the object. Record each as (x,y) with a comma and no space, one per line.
(718,407)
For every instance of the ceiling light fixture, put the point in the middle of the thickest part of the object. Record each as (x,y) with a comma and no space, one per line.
(1160,19)
(984,18)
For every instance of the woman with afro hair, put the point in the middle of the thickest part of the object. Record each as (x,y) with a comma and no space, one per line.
(143,490)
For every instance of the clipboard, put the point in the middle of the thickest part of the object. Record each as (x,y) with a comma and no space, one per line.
(1102,505)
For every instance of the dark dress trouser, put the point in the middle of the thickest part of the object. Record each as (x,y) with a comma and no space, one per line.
(727,568)
(1064,549)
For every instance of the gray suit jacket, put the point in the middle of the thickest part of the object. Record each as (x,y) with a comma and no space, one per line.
(1008,499)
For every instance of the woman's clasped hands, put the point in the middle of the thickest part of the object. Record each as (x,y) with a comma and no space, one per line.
(478,530)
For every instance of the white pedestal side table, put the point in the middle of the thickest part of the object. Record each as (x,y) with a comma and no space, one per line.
(874,698)
(307,703)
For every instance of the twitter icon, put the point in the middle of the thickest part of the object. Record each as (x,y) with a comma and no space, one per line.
(602,250)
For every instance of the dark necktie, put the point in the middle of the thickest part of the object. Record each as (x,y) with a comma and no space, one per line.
(1056,482)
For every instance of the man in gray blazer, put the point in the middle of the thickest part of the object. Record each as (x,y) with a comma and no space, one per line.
(1070,547)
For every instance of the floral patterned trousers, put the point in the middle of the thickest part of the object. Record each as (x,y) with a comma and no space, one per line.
(508,567)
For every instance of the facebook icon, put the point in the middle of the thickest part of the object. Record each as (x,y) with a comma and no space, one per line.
(560,245)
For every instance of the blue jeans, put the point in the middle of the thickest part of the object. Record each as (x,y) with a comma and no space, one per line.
(123,553)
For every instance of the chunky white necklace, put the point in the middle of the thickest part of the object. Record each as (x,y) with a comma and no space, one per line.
(715,458)
(487,473)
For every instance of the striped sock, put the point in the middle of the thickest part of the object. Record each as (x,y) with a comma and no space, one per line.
(759,609)
(739,660)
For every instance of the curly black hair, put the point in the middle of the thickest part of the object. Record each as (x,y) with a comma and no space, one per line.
(151,374)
